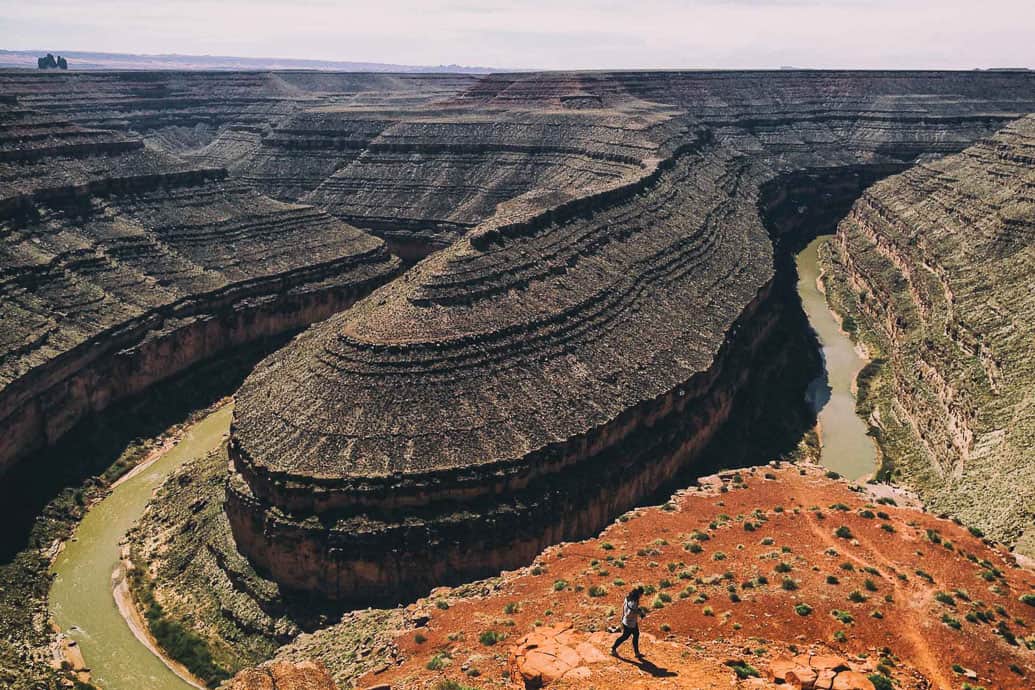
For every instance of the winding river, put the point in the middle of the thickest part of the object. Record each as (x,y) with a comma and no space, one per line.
(846,448)
(81,597)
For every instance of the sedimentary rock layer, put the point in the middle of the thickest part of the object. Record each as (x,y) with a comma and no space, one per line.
(566,355)
(937,265)
(120,266)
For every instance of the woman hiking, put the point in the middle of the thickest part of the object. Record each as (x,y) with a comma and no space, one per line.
(631,613)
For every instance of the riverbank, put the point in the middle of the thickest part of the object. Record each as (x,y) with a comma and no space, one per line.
(127,606)
(81,598)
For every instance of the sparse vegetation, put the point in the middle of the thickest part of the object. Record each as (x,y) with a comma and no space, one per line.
(490,637)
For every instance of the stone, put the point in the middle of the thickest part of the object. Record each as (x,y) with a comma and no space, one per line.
(851,680)
(823,662)
(283,675)
(801,678)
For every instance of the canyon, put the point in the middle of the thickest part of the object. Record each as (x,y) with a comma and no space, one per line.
(533,302)
(934,267)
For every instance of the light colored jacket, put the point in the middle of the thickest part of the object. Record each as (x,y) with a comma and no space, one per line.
(631,614)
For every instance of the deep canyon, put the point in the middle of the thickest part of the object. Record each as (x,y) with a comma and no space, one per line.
(536,300)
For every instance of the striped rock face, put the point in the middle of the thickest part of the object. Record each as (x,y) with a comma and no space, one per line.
(573,350)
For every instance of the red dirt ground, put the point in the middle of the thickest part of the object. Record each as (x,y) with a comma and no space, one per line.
(794,513)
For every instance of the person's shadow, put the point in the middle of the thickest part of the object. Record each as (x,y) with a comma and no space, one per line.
(650,667)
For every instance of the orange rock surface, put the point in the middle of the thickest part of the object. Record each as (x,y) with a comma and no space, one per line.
(283,675)
(749,585)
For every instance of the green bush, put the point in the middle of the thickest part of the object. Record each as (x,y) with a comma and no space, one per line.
(1028,599)
(843,532)
(803,609)
(881,681)
(179,642)
(490,637)
(743,669)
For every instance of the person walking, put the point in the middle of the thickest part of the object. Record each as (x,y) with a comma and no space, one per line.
(631,613)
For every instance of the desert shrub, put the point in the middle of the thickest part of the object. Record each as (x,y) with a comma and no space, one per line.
(743,669)
(1028,599)
(511,608)
(783,567)
(944,598)
(597,591)
(832,580)
(707,610)
(856,597)
(560,585)
(951,622)
(490,637)
(843,532)
(803,609)
(831,474)
(438,662)
(881,681)
(789,584)
(419,638)
(843,616)
(870,585)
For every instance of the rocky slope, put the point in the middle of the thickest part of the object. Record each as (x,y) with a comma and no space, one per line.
(934,266)
(570,352)
(120,266)
(776,571)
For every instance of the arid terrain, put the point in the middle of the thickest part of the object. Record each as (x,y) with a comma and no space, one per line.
(495,314)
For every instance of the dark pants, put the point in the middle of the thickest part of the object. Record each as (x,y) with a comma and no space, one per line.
(628,632)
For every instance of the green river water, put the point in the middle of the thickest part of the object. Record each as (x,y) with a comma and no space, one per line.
(81,598)
(845,446)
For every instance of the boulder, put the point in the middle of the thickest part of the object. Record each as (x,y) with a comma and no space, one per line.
(283,675)
(851,680)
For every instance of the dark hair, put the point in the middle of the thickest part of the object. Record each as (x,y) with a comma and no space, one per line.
(635,593)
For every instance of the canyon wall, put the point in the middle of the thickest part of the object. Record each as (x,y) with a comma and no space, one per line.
(934,266)
(424,433)
(120,266)
(603,286)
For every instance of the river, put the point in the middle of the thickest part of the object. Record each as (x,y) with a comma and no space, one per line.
(846,448)
(81,598)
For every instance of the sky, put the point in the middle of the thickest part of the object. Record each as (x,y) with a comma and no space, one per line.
(545,34)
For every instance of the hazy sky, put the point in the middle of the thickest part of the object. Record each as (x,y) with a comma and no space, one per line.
(549,34)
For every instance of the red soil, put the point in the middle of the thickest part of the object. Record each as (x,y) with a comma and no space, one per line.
(794,514)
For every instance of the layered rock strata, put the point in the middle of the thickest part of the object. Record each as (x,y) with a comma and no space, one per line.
(936,268)
(552,367)
(443,395)
(120,266)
